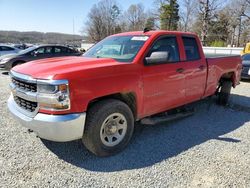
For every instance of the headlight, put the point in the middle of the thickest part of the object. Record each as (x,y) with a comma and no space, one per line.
(53,95)
(46,88)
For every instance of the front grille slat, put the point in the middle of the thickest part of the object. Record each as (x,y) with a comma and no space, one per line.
(26,105)
(25,86)
(245,69)
(30,87)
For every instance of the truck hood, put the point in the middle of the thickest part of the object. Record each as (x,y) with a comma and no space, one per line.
(8,56)
(246,63)
(49,68)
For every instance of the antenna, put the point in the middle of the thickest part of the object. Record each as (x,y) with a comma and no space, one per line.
(73,26)
(146,30)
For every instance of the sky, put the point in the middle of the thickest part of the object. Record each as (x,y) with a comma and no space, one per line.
(51,15)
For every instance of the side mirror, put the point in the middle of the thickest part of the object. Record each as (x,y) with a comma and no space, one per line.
(157,57)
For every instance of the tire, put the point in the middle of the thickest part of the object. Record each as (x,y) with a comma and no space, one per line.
(109,127)
(224,93)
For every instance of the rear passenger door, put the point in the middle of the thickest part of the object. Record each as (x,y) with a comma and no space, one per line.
(195,70)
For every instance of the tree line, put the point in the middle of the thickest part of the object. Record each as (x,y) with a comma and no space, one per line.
(39,38)
(217,22)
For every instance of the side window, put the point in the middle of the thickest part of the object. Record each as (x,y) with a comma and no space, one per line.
(191,48)
(166,44)
(61,49)
(71,50)
(40,51)
(49,50)
(65,50)
(58,50)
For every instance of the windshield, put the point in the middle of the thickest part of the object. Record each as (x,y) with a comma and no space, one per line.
(27,50)
(120,48)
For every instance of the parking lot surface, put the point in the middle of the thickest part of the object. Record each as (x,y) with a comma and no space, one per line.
(209,149)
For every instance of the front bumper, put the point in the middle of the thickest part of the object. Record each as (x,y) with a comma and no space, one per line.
(245,74)
(59,128)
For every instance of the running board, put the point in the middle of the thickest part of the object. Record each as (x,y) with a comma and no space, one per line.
(166,117)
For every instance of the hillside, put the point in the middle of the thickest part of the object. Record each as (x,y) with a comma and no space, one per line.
(39,37)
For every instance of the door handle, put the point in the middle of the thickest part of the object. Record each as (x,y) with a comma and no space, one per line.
(202,67)
(180,70)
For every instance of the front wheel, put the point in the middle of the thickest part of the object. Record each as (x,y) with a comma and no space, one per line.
(109,127)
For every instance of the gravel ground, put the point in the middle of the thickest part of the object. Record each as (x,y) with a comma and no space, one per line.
(209,149)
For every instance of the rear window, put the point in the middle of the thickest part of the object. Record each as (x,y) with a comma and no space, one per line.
(191,48)
(61,49)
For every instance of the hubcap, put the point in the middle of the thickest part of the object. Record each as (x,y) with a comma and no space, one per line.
(113,129)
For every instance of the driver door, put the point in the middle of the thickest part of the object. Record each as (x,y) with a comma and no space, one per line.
(164,83)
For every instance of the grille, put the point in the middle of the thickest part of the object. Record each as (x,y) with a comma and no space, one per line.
(26,105)
(24,85)
(245,70)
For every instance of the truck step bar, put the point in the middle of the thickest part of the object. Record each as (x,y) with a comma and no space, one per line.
(168,116)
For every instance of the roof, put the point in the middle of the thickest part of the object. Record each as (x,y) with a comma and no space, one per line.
(45,45)
(154,32)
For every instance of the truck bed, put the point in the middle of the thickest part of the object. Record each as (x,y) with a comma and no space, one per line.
(219,65)
(210,55)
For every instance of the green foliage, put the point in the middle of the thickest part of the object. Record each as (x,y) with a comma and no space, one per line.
(150,23)
(115,12)
(219,29)
(218,43)
(169,15)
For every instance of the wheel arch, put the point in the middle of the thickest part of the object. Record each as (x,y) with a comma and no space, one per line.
(14,63)
(229,76)
(128,98)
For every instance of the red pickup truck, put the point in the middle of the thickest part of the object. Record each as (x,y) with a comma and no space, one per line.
(124,78)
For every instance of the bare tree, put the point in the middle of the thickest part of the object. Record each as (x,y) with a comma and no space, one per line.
(239,20)
(188,11)
(205,11)
(102,20)
(136,17)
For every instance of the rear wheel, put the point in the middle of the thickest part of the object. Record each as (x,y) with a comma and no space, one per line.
(224,93)
(109,127)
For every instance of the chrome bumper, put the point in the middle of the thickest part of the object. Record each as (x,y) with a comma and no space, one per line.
(59,128)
